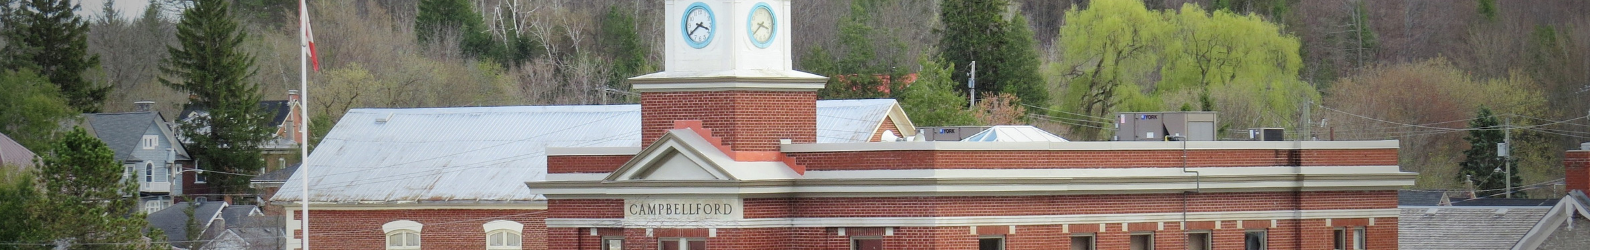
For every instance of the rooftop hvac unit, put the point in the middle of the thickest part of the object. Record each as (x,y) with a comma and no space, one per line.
(1266,134)
(1166,126)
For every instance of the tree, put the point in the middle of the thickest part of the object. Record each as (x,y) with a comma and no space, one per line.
(1483,166)
(210,65)
(857,69)
(1106,49)
(931,99)
(627,53)
(31,110)
(46,36)
(87,196)
(976,30)
(438,20)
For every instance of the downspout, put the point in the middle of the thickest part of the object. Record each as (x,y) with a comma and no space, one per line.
(1185,166)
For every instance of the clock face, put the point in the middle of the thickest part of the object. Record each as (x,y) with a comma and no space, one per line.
(699,25)
(762,25)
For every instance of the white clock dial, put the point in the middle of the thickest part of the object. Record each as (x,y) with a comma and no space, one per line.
(762,25)
(698,25)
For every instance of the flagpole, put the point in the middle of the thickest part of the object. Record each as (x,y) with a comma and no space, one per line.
(305,167)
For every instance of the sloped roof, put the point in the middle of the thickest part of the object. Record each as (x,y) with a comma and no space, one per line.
(12,153)
(1421,197)
(1484,202)
(278,111)
(277,175)
(486,154)
(844,121)
(172,220)
(1466,227)
(1014,133)
(122,131)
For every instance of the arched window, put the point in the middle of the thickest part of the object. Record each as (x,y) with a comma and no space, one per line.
(402,234)
(503,235)
(149,172)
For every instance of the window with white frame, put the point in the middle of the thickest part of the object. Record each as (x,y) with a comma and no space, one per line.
(1358,238)
(503,235)
(866,243)
(402,234)
(1083,241)
(1199,240)
(150,141)
(1142,241)
(1255,240)
(1338,239)
(149,171)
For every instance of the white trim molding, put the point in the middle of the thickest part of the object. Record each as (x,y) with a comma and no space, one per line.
(1088,146)
(402,225)
(502,225)
(962,221)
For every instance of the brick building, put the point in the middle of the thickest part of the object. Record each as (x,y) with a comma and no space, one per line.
(731,159)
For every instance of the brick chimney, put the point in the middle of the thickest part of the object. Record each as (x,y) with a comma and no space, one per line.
(291,124)
(143,106)
(1577,165)
(744,90)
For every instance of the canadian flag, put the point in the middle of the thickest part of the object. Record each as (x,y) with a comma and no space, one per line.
(305,36)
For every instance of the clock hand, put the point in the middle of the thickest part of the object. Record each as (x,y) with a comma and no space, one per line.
(696,29)
(702,25)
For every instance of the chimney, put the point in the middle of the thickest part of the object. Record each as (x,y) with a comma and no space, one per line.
(294,95)
(143,106)
(1577,166)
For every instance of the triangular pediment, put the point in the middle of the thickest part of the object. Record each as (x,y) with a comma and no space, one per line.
(680,155)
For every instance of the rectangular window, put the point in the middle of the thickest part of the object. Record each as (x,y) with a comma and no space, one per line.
(866,243)
(1083,242)
(1199,241)
(1338,239)
(611,243)
(1359,238)
(992,243)
(1141,242)
(150,141)
(682,244)
(1255,240)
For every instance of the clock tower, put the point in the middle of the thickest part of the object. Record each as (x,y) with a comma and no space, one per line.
(729,65)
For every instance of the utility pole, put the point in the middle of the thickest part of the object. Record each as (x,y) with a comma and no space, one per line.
(1505,152)
(972,89)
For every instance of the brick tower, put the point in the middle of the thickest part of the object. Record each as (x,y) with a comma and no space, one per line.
(728,65)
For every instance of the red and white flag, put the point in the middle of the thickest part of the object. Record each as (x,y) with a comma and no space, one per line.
(305,36)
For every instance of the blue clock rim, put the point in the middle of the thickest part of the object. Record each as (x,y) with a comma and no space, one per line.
(752,16)
(684,21)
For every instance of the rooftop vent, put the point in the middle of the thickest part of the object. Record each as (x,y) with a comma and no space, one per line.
(1166,126)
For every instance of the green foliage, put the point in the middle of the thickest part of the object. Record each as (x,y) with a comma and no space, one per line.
(47,37)
(30,108)
(1487,9)
(1482,165)
(856,70)
(18,200)
(627,53)
(931,101)
(85,197)
(976,30)
(267,11)
(1118,56)
(437,18)
(211,66)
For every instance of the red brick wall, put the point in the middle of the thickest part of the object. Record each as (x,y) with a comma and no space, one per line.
(441,228)
(1290,234)
(1013,159)
(585,163)
(585,208)
(1056,204)
(1577,164)
(877,134)
(746,120)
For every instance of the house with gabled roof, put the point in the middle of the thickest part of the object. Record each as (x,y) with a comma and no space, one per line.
(148,148)
(14,154)
(459,173)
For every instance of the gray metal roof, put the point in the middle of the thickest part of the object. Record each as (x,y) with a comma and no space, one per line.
(486,154)
(844,121)
(1574,237)
(1466,227)
(13,154)
(1014,133)
(1423,198)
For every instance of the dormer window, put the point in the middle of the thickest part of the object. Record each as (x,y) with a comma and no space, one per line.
(150,142)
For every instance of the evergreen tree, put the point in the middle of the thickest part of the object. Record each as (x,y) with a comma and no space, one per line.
(211,66)
(621,43)
(47,37)
(86,198)
(931,99)
(1483,165)
(858,70)
(976,30)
